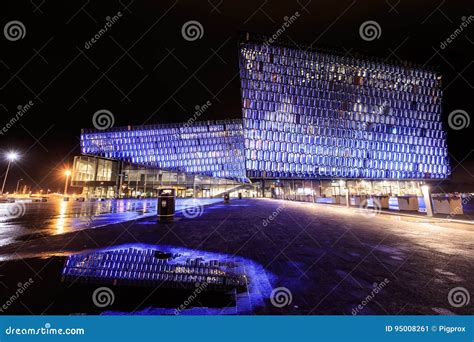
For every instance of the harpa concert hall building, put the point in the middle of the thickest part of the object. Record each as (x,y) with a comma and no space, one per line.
(313,124)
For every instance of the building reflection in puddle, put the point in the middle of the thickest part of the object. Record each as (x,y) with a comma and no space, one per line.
(151,266)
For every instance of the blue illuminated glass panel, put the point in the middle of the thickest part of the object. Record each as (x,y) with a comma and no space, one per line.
(212,148)
(316,114)
(305,114)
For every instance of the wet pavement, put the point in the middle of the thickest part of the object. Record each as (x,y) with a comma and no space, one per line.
(320,259)
(25,219)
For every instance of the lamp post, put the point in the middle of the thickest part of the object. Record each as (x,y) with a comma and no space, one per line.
(18,185)
(67,173)
(11,157)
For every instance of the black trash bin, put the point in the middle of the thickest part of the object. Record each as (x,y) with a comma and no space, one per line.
(226,197)
(166,205)
(240,195)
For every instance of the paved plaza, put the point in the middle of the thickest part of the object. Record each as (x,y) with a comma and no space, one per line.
(329,259)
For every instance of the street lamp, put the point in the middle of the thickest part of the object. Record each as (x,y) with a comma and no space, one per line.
(18,184)
(67,173)
(11,157)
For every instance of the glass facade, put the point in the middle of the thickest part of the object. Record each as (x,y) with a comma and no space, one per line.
(100,177)
(211,148)
(86,169)
(309,114)
(310,190)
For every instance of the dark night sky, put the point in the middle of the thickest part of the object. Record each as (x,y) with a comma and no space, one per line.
(142,69)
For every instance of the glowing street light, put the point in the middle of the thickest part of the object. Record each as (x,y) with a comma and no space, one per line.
(11,157)
(67,173)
